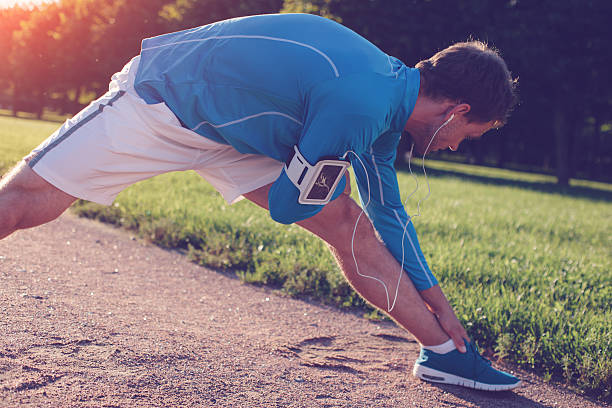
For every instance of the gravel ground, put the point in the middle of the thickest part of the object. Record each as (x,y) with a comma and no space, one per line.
(91,317)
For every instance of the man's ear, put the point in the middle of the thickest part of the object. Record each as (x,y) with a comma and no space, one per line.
(459,109)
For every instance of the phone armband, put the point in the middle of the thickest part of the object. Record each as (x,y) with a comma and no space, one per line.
(316,183)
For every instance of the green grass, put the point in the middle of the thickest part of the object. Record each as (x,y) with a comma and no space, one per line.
(526,264)
(18,136)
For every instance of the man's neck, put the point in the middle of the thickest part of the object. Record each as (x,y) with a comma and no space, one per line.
(426,116)
(426,112)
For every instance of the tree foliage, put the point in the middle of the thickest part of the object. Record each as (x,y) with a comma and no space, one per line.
(193,13)
(59,55)
(558,50)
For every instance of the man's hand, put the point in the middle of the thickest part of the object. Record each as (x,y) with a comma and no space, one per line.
(438,304)
(453,328)
(347,188)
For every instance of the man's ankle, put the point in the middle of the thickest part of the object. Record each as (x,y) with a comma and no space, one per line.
(443,348)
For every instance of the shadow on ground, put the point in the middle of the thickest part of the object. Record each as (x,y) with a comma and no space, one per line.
(590,193)
(487,399)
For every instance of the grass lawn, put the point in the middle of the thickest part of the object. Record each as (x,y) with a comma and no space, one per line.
(526,264)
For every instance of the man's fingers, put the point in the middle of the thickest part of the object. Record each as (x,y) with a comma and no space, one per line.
(455,330)
(347,189)
(458,334)
(458,340)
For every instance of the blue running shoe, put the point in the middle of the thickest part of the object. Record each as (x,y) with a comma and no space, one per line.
(467,369)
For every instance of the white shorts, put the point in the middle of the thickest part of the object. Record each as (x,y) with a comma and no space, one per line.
(119,140)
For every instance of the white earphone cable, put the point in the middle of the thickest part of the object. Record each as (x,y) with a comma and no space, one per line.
(390,306)
(355,229)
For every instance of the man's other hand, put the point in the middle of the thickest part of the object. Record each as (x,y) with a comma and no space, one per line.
(454,329)
(438,304)
(347,188)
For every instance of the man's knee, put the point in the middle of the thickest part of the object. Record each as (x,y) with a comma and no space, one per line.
(12,204)
(345,211)
(22,177)
(27,200)
(336,222)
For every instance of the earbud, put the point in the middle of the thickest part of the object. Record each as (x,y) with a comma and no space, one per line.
(436,132)
(448,121)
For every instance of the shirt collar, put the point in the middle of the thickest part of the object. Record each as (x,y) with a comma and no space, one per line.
(412,78)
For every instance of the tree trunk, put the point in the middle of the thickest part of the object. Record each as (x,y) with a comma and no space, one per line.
(40,105)
(561,146)
(77,104)
(476,153)
(501,153)
(14,107)
(595,170)
(573,129)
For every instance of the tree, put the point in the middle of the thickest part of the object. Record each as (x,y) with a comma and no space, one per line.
(192,13)
(558,49)
(123,25)
(32,60)
(10,21)
(76,55)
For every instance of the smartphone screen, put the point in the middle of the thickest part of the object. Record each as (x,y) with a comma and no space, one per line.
(324,182)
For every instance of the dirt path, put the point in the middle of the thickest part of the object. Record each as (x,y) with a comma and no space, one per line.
(91,317)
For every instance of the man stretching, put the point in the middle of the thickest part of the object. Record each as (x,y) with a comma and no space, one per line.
(273,108)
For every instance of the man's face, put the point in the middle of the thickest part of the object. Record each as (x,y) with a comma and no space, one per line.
(451,135)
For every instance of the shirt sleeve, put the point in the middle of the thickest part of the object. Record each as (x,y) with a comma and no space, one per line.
(325,138)
(283,201)
(351,117)
(379,193)
(340,117)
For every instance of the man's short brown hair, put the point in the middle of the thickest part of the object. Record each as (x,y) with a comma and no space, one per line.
(471,72)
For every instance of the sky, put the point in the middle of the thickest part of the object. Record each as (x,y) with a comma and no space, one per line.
(8,3)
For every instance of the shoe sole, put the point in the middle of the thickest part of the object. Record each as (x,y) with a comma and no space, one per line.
(429,374)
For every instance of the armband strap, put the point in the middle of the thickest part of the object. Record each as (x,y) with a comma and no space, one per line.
(316,183)
(297,168)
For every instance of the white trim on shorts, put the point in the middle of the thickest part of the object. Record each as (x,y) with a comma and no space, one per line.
(119,140)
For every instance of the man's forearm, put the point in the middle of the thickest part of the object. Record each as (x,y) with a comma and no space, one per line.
(436,300)
(334,224)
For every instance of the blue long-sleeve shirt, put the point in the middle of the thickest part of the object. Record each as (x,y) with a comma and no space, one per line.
(264,84)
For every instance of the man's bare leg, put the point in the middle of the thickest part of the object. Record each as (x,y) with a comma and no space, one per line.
(334,224)
(27,200)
